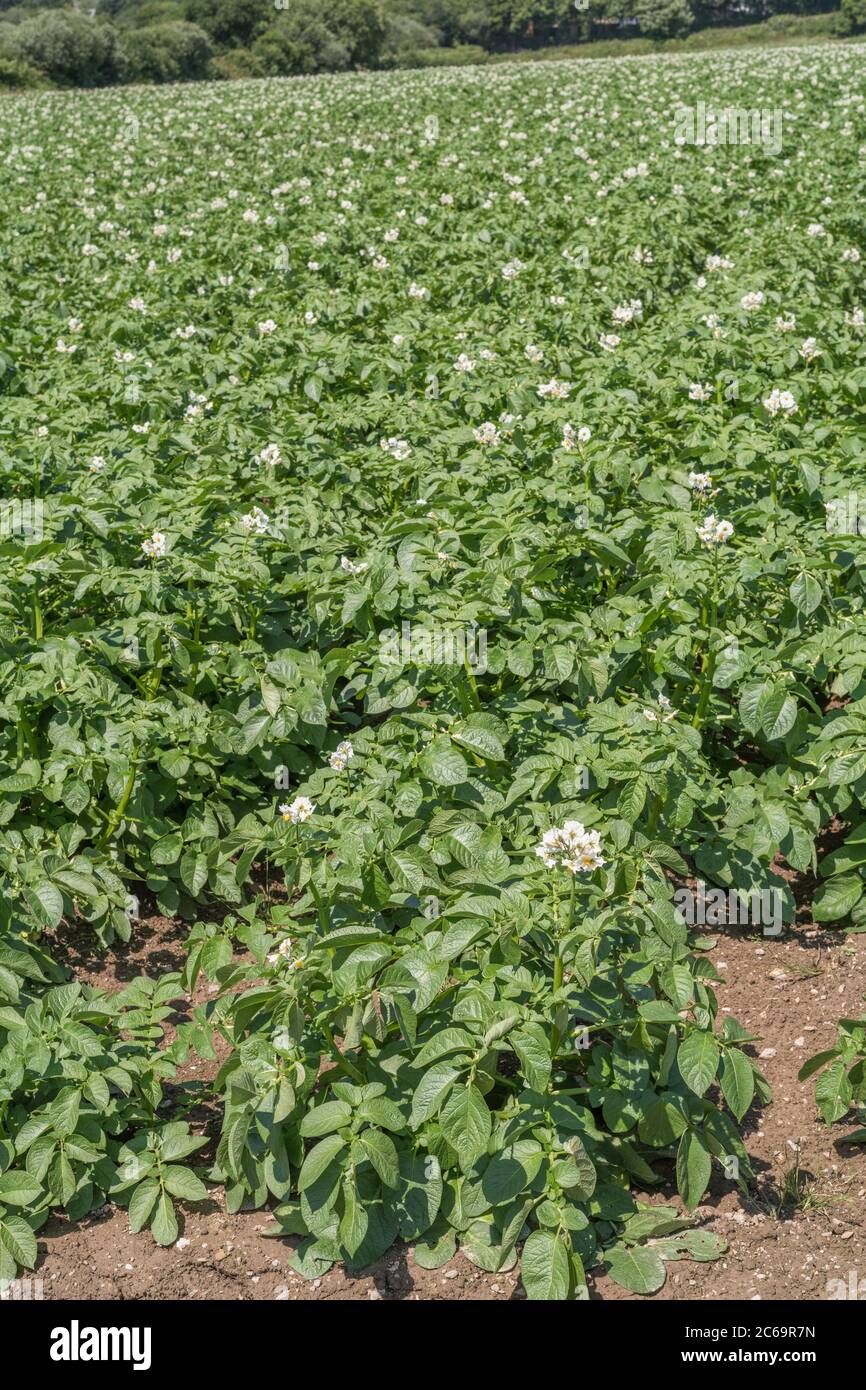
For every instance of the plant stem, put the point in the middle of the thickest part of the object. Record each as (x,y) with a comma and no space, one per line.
(117,814)
(708,660)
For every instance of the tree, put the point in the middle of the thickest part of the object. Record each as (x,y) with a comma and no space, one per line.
(852,19)
(300,42)
(230,23)
(304,39)
(359,26)
(664,19)
(68,48)
(173,52)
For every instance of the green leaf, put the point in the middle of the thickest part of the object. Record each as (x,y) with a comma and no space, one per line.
(438,1246)
(45,902)
(182,1182)
(318,1159)
(354,1223)
(163,1227)
(466,1123)
(382,1113)
(694,1167)
(638,1268)
(18,1238)
(834,1092)
(698,1060)
(835,900)
(420,1194)
(18,1189)
(448,1040)
(141,1204)
(777,713)
(737,1081)
(631,800)
(379,1149)
(324,1119)
(443,764)
(431,1090)
(544,1267)
(64,1111)
(480,741)
(805,593)
(532,1046)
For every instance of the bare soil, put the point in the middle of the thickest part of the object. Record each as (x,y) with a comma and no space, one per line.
(790,989)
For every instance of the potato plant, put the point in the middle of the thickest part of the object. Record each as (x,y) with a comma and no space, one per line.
(841,1070)
(431,539)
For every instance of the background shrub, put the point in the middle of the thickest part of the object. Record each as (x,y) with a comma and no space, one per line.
(70,49)
(300,42)
(852,17)
(173,52)
(664,19)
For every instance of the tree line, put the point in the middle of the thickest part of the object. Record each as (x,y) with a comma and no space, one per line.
(182,40)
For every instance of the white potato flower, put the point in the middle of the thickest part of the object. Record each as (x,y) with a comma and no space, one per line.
(154,545)
(255,522)
(571,847)
(486,433)
(270,456)
(701,482)
(554,390)
(780,401)
(713,531)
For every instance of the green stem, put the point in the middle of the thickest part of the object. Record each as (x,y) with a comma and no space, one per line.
(340,1058)
(25,733)
(118,813)
(708,661)
(473,686)
(193,674)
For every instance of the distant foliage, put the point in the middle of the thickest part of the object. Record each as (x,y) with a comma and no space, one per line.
(175,52)
(261,38)
(230,23)
(664,19)
(15,73)
(852,19)
(300,42)
(69,49)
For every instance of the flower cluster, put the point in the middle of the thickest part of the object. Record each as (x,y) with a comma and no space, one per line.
(341,756)
(397,448)
(255,522)
(780,401)
(713,531)
(270,456)
(285,952)
(154,545)
(702,483)
(571,436)
(667,711)
(571,847)
(554,390)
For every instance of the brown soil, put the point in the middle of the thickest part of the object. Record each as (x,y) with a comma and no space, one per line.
(790,990)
